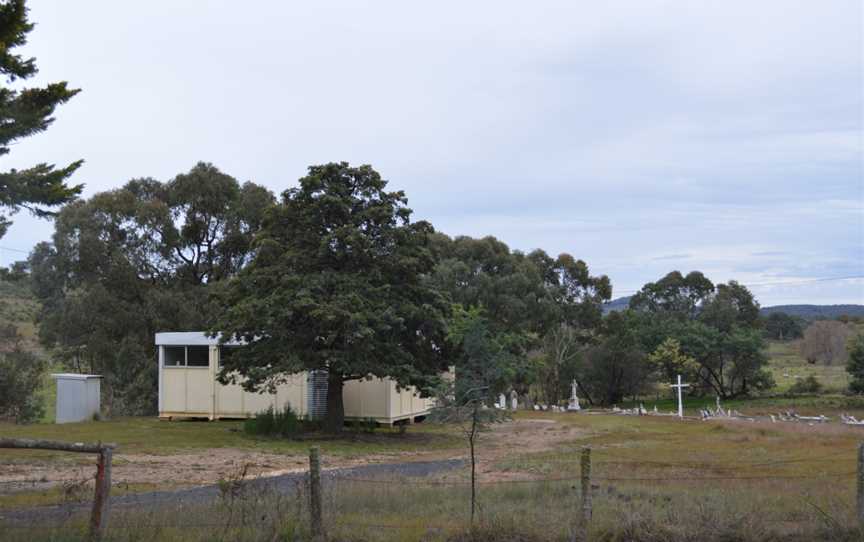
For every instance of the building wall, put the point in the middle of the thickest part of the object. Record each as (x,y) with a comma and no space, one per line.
(194,392)
(77,400)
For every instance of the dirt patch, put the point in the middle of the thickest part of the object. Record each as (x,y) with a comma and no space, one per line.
(520,437)
(177,470)
(191,469)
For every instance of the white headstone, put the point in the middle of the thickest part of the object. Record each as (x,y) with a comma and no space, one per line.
(502,401)
(573,404)
(514,400)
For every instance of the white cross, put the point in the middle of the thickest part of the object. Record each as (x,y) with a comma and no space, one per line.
(679,385)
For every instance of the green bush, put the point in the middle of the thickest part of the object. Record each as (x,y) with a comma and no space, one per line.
(21,375)
(275,423)
(366,425)
(806,385)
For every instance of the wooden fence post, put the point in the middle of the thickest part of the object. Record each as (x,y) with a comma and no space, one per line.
(315,492)
(586,490)
(99,514)
(861,485)
(101,497)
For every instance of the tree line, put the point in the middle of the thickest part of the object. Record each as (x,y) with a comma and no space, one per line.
(335,275)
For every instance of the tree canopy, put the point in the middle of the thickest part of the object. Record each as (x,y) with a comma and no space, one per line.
(140,259)
(25,112)
(338,283)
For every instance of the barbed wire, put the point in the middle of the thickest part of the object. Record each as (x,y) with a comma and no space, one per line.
(690,464)
(383,481)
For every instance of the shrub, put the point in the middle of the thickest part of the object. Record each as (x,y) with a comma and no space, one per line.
(806,385)
(275,423)
(855,366)
(366,425)
(21,374)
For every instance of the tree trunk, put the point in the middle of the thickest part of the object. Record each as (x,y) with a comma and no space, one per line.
(334,420)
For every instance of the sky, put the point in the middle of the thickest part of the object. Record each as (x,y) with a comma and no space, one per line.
(642,137)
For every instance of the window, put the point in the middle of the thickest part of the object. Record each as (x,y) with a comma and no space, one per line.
(198,356)
(175,356)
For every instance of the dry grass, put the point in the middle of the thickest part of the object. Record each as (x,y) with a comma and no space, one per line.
(787,367)
(655,479)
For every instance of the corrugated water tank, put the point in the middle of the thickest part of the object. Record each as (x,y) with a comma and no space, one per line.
(78,397)
(316,402)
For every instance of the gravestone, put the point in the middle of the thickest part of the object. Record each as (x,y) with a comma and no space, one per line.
(573,405)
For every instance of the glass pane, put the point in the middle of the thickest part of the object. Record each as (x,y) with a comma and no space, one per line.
(175,356)
(198,356)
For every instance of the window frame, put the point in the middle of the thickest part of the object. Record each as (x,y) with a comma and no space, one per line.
(165,363)
(185,363)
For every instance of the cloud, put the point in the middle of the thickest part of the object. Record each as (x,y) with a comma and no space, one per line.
(671,257)
(729,133)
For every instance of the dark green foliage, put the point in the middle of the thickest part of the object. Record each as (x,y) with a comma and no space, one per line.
(367,425)
(275,423)
(617,366)
(485,358)
(808,385)
(338,283)
(137,260)
(529,294)
(719,328)
(21,375)
(547,307)
(674,295)
(783,327)
(855,365)
(23,113)
(18,272)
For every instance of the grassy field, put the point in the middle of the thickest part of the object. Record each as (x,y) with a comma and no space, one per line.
(654,479)
(148,435)
(787,366)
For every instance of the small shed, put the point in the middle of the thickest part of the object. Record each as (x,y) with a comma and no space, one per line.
(78,397)
(189,363)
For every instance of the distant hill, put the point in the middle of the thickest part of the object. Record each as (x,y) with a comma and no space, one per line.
(816,312)
(618,304)
(808,312)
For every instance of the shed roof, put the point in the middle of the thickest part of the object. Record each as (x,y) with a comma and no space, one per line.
(73,376)
(187,338)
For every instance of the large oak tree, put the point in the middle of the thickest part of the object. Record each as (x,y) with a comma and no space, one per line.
(338,284)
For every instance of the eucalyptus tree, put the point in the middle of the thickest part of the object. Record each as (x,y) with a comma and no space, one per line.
(136,260)
(25,112)
(718,327)
(553,305)
(675,295)
(338,283)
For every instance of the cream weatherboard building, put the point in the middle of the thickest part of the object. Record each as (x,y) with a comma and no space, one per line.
(189,362)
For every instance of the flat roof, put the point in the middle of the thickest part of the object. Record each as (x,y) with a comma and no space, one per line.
(73,376)
(187,338)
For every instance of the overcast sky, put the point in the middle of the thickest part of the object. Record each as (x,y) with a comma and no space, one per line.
(639,136)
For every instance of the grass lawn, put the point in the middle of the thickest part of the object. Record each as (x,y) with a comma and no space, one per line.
(148,435)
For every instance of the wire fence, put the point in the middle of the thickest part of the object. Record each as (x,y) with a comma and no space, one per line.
(434,502)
